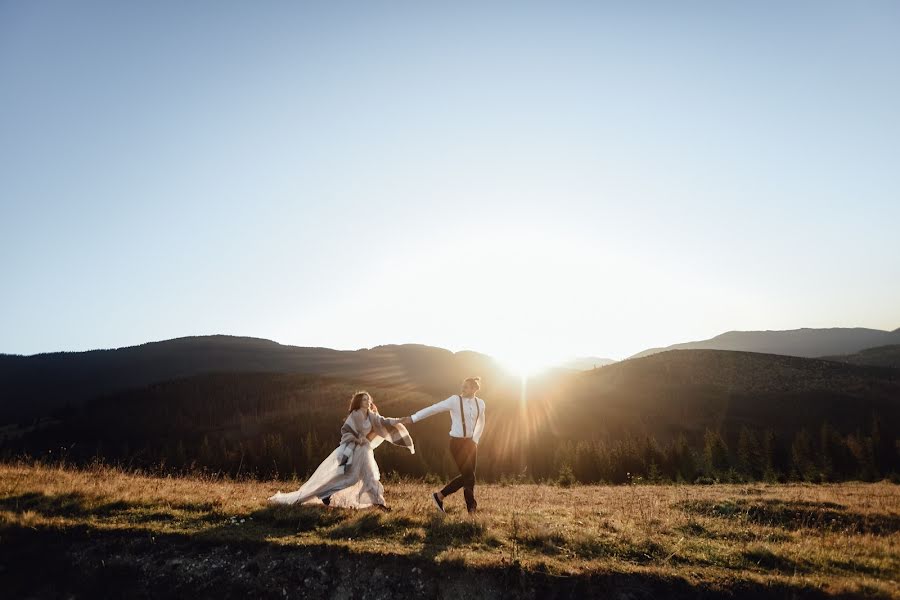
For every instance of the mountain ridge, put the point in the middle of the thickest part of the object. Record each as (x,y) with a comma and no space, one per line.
(882,356)
(806,342)
(35,384)
(587,363)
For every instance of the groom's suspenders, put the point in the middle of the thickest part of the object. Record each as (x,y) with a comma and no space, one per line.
(462,414)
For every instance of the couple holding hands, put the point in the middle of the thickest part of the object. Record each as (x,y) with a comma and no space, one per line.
(350,478)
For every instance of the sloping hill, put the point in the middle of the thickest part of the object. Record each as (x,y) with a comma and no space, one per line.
(586,363)
(882,356)
(687,391)
(36,385)
(796,342)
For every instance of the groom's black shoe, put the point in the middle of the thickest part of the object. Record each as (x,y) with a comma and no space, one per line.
(438,502)
(326,500)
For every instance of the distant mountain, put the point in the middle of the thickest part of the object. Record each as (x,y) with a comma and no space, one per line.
(881,356)
(686,391)
(586,363)
(35,385)
(795,342)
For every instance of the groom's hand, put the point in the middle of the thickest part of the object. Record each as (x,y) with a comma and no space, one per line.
(406,420)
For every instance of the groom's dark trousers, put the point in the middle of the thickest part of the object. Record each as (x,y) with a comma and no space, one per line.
(465,455)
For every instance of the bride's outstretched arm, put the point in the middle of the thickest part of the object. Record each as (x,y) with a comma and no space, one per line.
(388,420)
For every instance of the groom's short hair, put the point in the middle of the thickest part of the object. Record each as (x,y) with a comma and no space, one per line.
(476,381)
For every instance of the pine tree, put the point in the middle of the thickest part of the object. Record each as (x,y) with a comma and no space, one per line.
(861,448)
(882,447)
(750,454)
(585,467)
(770,473)
(715,453)
(205,453)
(179,456)
(683,457)
(564,457)
(802,457)
(828,451)
(603,461)
(652,456)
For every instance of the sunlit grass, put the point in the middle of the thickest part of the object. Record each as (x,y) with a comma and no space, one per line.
(843,538)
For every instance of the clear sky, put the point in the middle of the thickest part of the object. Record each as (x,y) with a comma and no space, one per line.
(530,180)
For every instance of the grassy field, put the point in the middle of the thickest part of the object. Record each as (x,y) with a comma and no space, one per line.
(101,532)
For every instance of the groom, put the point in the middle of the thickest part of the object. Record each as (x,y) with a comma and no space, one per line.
(466,424)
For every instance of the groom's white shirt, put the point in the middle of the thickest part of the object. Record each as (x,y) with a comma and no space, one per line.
(451,405)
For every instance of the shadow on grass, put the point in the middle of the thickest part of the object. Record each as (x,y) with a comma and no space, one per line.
(797,514)
(551,541)
(694,529)
(79,506)
(764,558)
(295,519)
(371,525)
(444,533)
(224,560)
(82,561)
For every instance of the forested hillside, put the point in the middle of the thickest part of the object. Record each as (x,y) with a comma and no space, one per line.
(33,386)
(682,415)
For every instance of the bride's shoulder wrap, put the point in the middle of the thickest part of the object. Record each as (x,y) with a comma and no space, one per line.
(385,428)
(391,430)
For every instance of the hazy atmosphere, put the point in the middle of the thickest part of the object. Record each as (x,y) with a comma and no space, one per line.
(503,301)
(530,181)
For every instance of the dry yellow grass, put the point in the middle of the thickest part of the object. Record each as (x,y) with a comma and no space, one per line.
(836,539)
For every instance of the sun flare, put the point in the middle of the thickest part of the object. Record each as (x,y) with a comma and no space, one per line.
(525,362)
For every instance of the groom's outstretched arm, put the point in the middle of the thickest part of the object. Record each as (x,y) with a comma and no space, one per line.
(438,407)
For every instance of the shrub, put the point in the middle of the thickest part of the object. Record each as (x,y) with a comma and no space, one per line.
(566,476)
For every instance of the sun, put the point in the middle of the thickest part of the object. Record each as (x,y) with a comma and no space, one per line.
(525,362)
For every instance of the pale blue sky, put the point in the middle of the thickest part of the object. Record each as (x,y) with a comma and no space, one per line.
(533,180)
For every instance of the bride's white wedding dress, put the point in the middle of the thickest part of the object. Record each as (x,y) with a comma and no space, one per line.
(351,480)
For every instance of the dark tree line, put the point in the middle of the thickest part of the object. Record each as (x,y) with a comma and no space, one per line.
(823,455)
(267,425)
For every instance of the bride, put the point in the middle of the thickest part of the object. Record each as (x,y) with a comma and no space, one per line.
(349,477)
